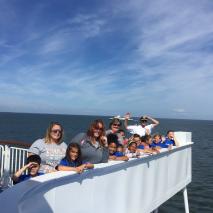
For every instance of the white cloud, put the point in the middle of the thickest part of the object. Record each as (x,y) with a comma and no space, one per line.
(70,35)
(179,110)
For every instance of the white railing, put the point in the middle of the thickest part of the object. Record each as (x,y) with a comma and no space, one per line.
(12,159)
(133,186)
(1,160)
(17,159)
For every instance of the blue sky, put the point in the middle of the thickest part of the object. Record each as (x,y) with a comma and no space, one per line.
(107,57)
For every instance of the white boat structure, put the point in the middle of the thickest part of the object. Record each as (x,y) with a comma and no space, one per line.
(137,186)
(120,118)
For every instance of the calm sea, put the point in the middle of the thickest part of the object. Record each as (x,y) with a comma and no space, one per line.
(29,127)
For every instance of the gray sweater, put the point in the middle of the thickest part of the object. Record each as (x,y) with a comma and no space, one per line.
(90,153)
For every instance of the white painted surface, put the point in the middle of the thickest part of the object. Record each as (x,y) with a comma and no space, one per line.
(183,138)
(137,186)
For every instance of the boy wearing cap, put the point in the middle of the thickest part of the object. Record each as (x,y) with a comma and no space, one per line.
(143,128)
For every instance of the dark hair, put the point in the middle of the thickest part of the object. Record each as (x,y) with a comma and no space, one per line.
(120,145)
(147,137)
(136,136)
(113,142)
(169,131)
(143,138)
(114,120)
(67,156)
(93,125)
(34,159)
(157,134)
(121,130)
(112,138)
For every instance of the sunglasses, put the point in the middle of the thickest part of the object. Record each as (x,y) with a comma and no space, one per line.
(97,128)
(116,124)
(56,131)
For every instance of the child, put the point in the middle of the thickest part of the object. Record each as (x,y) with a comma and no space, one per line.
(152,149)
(72,161)
(146,147)
(157,142)
(131,151)
(33,166)
(136,138)
(143,144)
(170,139)
(113,154)
(122,133)
(120,150)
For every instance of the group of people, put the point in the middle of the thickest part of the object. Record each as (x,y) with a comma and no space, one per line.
(52,154)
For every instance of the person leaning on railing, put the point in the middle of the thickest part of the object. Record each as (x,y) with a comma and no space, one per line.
(94,146)
(73,160)
(113,144)
(170,139)
(32,165)
(51,148)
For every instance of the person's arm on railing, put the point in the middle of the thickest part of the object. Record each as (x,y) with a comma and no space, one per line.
(78,169)
(122,158)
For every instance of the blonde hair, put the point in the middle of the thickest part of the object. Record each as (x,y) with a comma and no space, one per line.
(47,137)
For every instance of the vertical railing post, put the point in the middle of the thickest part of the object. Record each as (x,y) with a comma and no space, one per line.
(1,160)
(6,179)
(7,160)
(186,203)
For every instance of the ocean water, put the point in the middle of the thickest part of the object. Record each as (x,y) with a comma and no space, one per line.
(29,127)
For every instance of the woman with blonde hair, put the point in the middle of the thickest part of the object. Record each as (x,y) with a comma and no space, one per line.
(51,148)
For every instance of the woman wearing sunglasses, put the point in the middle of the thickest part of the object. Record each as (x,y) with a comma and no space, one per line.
(51,148)
(94,147)
(114,128)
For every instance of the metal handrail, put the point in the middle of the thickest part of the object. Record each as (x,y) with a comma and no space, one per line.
(2,160)
(15,143)
(17,158)
(12,159)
